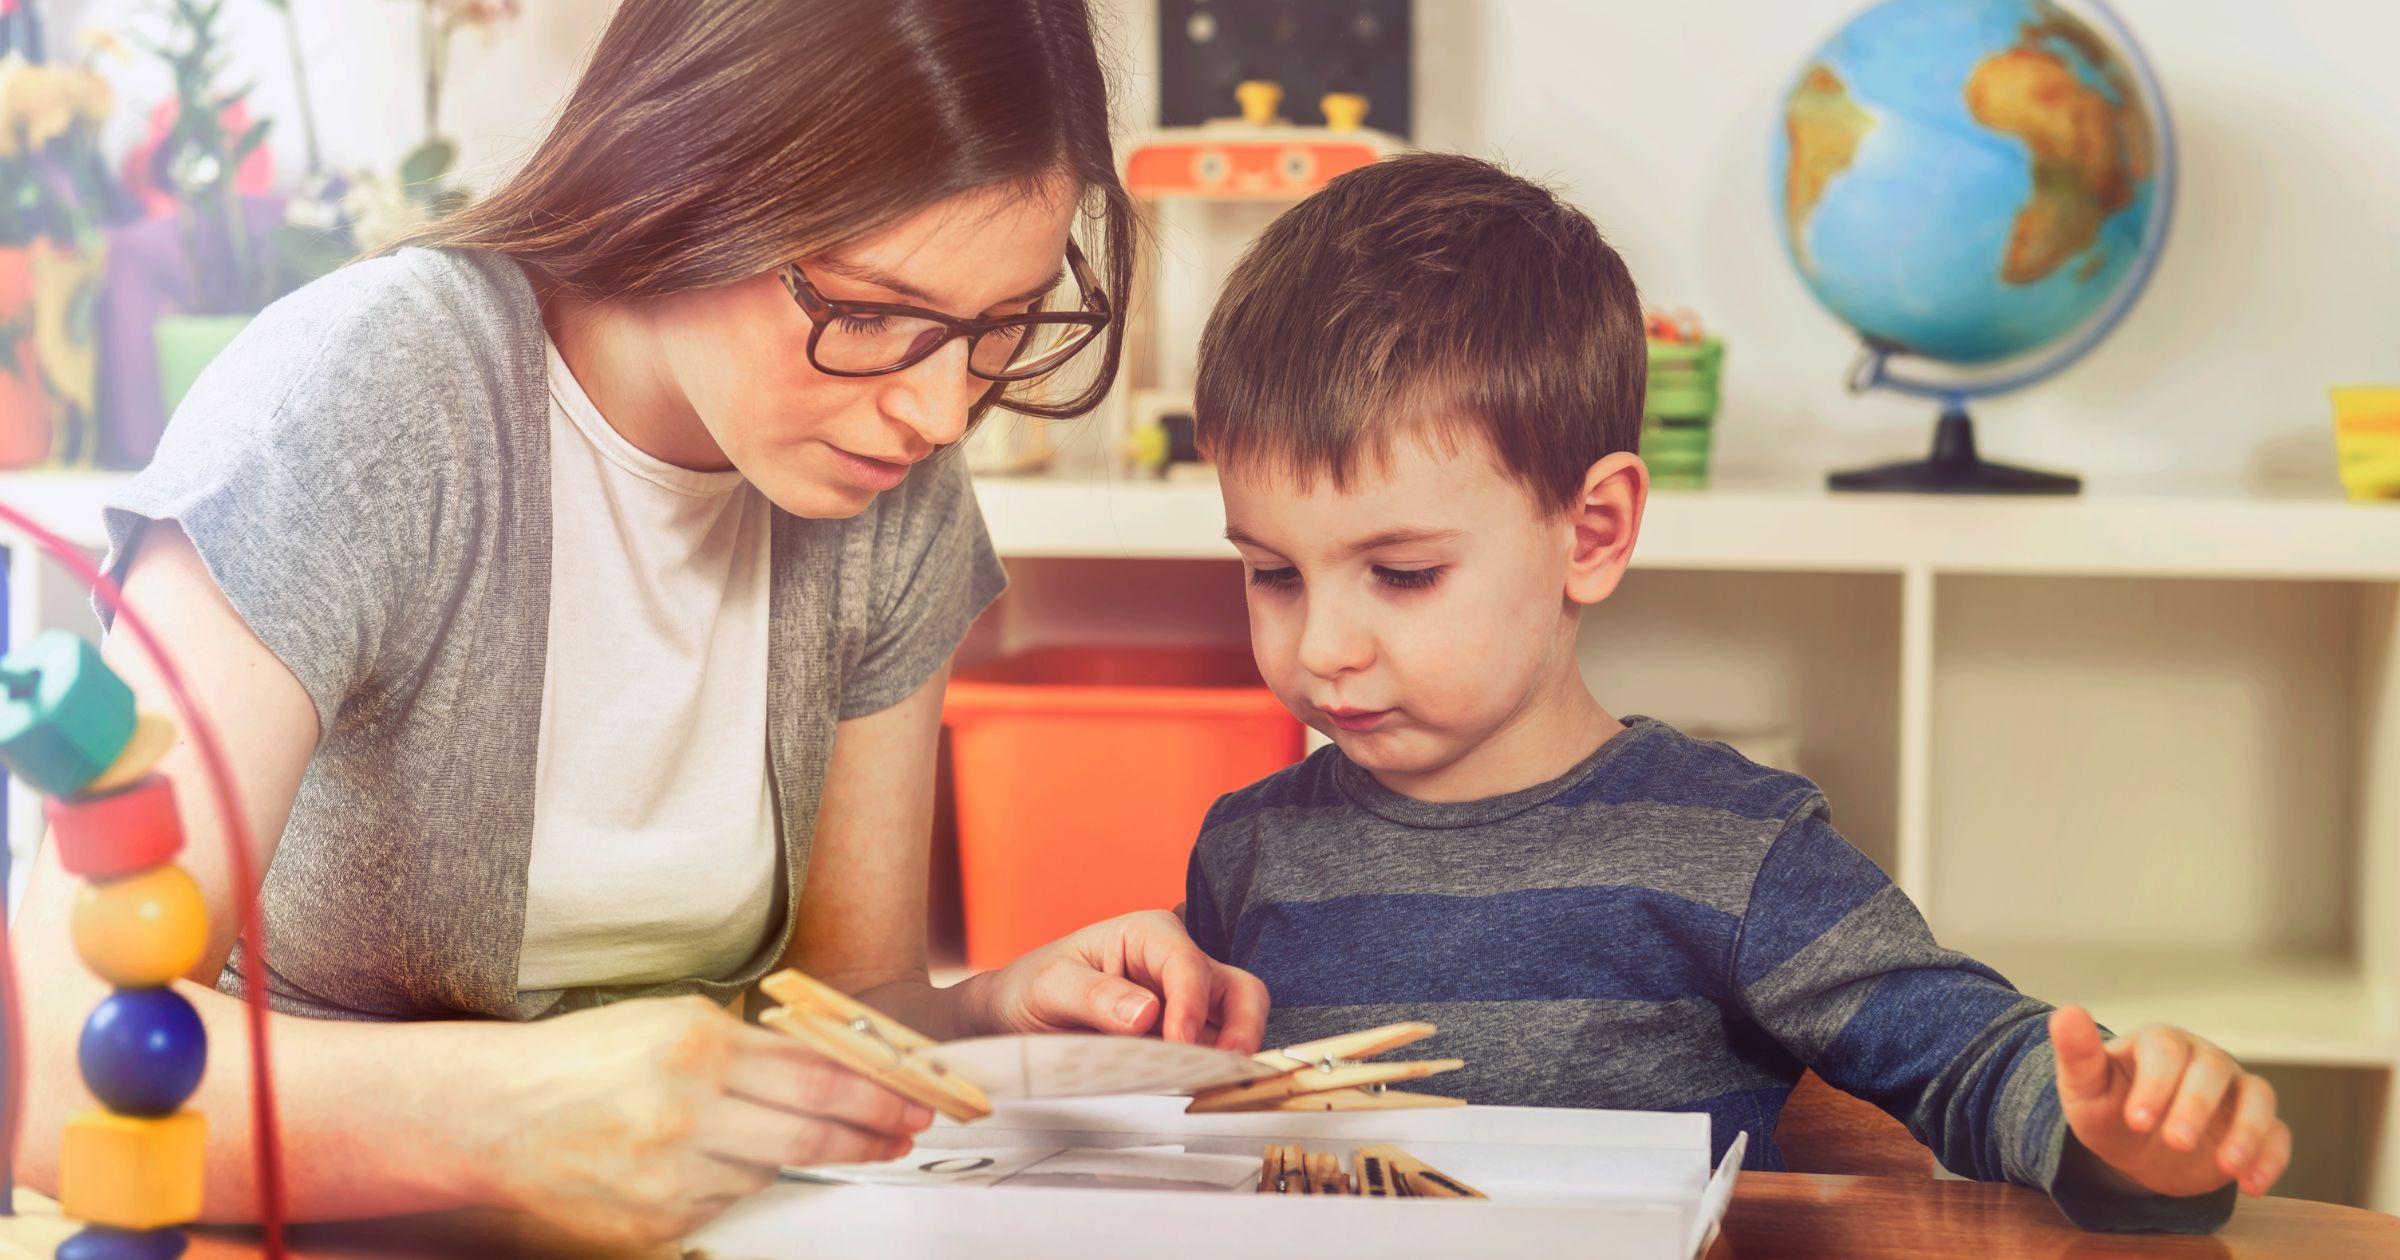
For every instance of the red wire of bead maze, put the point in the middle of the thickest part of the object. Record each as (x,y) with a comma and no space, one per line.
(266,1139)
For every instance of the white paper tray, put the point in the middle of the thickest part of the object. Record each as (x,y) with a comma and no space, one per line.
(1611,1185)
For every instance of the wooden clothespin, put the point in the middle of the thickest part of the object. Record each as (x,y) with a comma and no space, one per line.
(1324,1076)
(1414,1178)
(858,1037)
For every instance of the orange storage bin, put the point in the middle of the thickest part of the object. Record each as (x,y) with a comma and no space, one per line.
(1081,776)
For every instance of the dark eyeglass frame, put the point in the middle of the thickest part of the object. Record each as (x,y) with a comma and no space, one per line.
(822,310)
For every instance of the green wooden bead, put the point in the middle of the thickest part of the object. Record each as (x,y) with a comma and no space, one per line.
(64,715)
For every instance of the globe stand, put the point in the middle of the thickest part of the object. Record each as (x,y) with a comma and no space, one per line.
(1954,468)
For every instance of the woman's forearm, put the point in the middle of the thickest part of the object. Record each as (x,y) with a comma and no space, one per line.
(375,1118)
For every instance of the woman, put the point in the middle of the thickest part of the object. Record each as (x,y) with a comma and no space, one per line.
(574,591)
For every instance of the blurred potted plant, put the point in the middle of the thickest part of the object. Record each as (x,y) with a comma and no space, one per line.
(56,194)
(384,207)
(317,235)
(209,136)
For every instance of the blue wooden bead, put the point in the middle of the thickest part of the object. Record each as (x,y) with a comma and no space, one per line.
(143,1051)
(64,715)
(102,1243)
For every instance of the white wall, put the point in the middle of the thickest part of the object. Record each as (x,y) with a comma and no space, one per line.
(2282,276)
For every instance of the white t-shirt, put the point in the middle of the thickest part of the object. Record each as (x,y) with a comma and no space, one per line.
(655,853)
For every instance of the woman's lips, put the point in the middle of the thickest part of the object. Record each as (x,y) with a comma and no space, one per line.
(868,473)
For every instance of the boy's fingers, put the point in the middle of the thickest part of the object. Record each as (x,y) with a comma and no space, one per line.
(1079,996)
(2158,1061)
(1241,1009)
(2271,1162)
(2205,1077)
(2253,1119)
(1185,981)
(2084,1069)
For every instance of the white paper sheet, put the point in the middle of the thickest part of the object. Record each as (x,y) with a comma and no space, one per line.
(1114,1168)
(1077,1065)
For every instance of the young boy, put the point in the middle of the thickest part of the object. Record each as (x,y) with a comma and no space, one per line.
(1422,389)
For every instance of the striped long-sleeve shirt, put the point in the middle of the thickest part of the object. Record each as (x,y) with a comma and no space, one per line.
(1666,927)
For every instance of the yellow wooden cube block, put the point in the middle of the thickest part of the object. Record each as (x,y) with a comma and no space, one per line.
(129,1172)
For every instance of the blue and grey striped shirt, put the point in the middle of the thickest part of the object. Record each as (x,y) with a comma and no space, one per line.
(1666,927)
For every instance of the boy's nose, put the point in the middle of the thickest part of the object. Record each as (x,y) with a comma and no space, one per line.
(932,398)
(1332,644)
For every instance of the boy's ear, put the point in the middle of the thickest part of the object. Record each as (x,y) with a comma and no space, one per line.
(1606,517)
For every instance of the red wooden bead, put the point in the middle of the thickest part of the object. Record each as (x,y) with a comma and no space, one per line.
(116,833)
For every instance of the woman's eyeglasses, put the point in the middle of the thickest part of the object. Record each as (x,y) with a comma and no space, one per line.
(873,338)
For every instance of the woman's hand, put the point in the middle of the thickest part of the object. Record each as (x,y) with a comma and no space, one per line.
(634,1123)
(1134,974)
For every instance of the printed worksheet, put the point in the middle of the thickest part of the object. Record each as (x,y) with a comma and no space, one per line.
(1119,1168)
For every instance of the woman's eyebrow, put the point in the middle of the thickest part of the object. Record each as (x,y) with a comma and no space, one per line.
(885,280)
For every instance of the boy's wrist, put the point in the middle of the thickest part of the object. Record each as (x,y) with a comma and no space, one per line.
(2090,1174)
(971,1005)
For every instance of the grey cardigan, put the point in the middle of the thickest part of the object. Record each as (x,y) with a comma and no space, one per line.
(366,474)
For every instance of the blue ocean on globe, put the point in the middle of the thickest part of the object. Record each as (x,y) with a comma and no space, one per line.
(1968,180)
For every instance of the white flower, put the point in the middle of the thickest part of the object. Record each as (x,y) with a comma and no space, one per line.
(380,211)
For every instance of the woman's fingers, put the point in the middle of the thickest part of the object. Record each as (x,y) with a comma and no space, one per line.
(756,1135)
(771,1070)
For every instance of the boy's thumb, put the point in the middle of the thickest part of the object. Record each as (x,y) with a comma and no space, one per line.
(1090,998)
(2083,1066)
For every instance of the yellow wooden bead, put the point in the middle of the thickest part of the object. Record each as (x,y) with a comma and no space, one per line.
(142,930)
(132,1173)
(153,738)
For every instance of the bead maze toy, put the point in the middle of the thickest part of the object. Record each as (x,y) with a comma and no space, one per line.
(131,1171)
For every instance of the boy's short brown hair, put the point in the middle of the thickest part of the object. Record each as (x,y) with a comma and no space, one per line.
(1427,293)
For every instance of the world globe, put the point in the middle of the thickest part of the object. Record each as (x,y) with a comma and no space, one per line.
(1983,185)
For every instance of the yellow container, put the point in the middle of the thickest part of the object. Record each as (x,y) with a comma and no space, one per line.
(2366,439)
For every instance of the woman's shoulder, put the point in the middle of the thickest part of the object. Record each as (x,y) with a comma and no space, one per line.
(421,333)
(370,412)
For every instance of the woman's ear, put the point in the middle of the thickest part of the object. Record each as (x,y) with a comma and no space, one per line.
(1605,518)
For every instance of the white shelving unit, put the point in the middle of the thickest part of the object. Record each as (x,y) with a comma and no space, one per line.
(2137,751)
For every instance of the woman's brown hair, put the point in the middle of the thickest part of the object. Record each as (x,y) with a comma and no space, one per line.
(710,141)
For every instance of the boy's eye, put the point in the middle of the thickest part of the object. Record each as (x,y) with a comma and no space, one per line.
(1276,578)
(1409,579)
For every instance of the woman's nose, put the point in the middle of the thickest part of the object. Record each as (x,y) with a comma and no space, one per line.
(932,398)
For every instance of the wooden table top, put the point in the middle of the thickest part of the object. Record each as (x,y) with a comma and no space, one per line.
(1775,1216)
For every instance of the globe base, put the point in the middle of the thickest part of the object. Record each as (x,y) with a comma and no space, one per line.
(1955,468)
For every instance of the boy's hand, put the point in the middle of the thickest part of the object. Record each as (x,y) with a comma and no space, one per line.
(1131,975)
(2168,1112)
